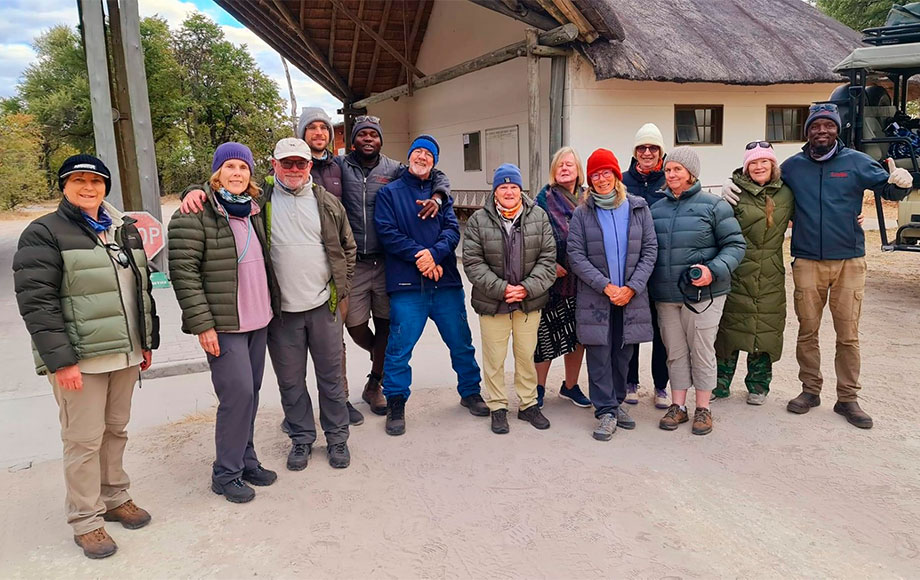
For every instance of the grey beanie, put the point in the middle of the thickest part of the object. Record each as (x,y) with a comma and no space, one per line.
(311,114)
(687,157)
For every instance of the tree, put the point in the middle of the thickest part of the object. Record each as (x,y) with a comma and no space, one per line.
(20,161)
(859,14)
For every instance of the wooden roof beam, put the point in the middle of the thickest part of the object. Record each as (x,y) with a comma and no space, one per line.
(331,36)
(585,29)
(370,32)
(384,23)
(411,44)
(524,15)
(354,43)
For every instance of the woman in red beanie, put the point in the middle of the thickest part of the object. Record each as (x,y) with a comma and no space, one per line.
(612,250)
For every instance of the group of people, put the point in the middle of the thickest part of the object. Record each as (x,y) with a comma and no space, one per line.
(598,262)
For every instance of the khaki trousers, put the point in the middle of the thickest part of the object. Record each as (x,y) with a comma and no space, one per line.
(690,340)
(495,330)
(844,281)
(93,430)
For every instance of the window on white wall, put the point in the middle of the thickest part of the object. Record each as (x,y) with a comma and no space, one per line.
(502,146)
(786,123)
(472,152)
(698,124)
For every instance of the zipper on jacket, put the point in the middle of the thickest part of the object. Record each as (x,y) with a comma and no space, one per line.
(140,292)
(120,298)
(364,211)
(821,215)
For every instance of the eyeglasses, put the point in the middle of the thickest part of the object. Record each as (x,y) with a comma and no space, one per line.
(762,144)
(371,118)
(119,255)
(605,174)
(830,107)
(291,163)
(649,148)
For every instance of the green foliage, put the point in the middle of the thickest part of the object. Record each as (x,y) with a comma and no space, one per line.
(20,156)
(859,14)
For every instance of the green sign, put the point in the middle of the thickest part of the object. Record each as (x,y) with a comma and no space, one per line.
(159,280)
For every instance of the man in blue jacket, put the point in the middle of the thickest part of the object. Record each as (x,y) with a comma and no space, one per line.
(828,250)
(423,282)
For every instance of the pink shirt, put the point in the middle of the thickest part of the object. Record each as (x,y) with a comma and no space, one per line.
(252,296)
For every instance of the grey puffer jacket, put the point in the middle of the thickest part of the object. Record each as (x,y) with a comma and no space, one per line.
(588,260)
(484,249)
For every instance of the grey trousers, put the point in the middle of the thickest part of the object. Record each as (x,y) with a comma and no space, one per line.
(237,378)
(290,337)
(690,339)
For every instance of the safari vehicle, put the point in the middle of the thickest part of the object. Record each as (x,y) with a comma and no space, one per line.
(877,122)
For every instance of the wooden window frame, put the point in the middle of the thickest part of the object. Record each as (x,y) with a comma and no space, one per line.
(717,125)
(799,137)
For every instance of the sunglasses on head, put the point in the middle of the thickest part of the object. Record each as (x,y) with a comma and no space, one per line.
(830,107)
(763,144)
(649,148)
(371,118)
(118,255)
(292,163)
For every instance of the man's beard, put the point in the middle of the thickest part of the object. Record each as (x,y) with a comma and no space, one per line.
(821,150)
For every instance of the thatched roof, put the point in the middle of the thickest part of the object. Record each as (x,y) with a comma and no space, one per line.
(742,42)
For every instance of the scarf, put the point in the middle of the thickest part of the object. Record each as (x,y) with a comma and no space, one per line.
(609,201)
(100,224)
(510,214)
(236,205)
(652,170)
(560,205)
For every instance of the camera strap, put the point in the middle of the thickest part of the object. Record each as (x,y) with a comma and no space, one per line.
(683,284)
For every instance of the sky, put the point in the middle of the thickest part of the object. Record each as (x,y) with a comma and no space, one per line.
(23,20)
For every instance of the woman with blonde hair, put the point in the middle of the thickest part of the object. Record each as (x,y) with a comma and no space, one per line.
(612,250)
(556,335)
(222,274)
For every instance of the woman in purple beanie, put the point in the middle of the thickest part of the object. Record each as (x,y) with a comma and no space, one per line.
(222,275)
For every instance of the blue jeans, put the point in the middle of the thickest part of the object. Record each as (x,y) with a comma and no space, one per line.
(409,312)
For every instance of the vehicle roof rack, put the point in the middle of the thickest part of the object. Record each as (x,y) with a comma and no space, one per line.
(884,35)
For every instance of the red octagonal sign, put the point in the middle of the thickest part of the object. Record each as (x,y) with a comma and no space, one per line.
(151,231)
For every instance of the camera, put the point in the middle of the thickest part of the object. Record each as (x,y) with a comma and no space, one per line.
(695,272)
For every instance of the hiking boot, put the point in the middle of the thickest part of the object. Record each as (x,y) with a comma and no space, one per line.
(284,427)
(854,414)
(354,416)
(476,405)
(299,456)
(674,417)
(130,516)
(338,454)
(702,421)
(500,421)
(632,393)
(606,427)
(541,392)
(575,395)
(235,491)
(260,476)
(533,416)
(661,399)
(624,420)
(373,395)
(756,398)
(803,403)
(96,544)
(396,415)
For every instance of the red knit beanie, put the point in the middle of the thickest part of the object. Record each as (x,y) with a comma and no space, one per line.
(603,159)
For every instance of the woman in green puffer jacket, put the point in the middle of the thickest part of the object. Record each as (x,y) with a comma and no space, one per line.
(755,311)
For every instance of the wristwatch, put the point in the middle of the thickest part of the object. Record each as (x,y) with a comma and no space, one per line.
(437,200)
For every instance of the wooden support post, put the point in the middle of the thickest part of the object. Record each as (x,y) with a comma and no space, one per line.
(533,112)
(557,105)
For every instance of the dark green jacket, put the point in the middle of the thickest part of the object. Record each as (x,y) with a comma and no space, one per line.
(755,311)
(203,268)
(68,292)
(484,257)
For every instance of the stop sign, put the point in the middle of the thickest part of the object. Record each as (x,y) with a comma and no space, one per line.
(151,231)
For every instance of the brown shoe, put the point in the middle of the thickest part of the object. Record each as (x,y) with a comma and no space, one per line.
(854,414)
(373,395)
(130,516)
(673,418)
(96,544)
(803,403)
(702,421)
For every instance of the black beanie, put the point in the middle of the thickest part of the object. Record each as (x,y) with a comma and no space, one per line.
(88,163)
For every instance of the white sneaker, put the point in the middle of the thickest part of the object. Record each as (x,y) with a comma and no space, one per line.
(756,398)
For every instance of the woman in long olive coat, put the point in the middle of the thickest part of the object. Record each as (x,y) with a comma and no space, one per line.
(755,311)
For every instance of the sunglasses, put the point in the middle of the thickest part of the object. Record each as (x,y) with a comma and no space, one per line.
(118,255)
(830,107)
(762,144)
(649,148)
(371,118)
(290,163)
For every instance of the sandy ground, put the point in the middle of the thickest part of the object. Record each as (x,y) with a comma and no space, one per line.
(767,494)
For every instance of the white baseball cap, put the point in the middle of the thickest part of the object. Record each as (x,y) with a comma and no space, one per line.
(292,147)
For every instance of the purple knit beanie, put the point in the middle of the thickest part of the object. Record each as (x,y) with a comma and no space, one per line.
(231,150)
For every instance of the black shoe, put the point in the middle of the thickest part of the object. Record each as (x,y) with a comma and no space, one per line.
(803,403)
(500,421)
(624,421)
(476,405)
(235,491)
(354,416)
(396,415)
(259,476)
(534,416)
(299,456)
(854,414)
(338,455)
(284,427)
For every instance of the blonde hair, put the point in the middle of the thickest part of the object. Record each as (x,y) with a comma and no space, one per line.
(769,204)
(775,175)
(620,188)
(215,184)
(557,159)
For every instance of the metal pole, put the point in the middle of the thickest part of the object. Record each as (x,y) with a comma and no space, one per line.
(533,112)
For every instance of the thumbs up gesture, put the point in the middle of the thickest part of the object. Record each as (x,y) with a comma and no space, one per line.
(899,177)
